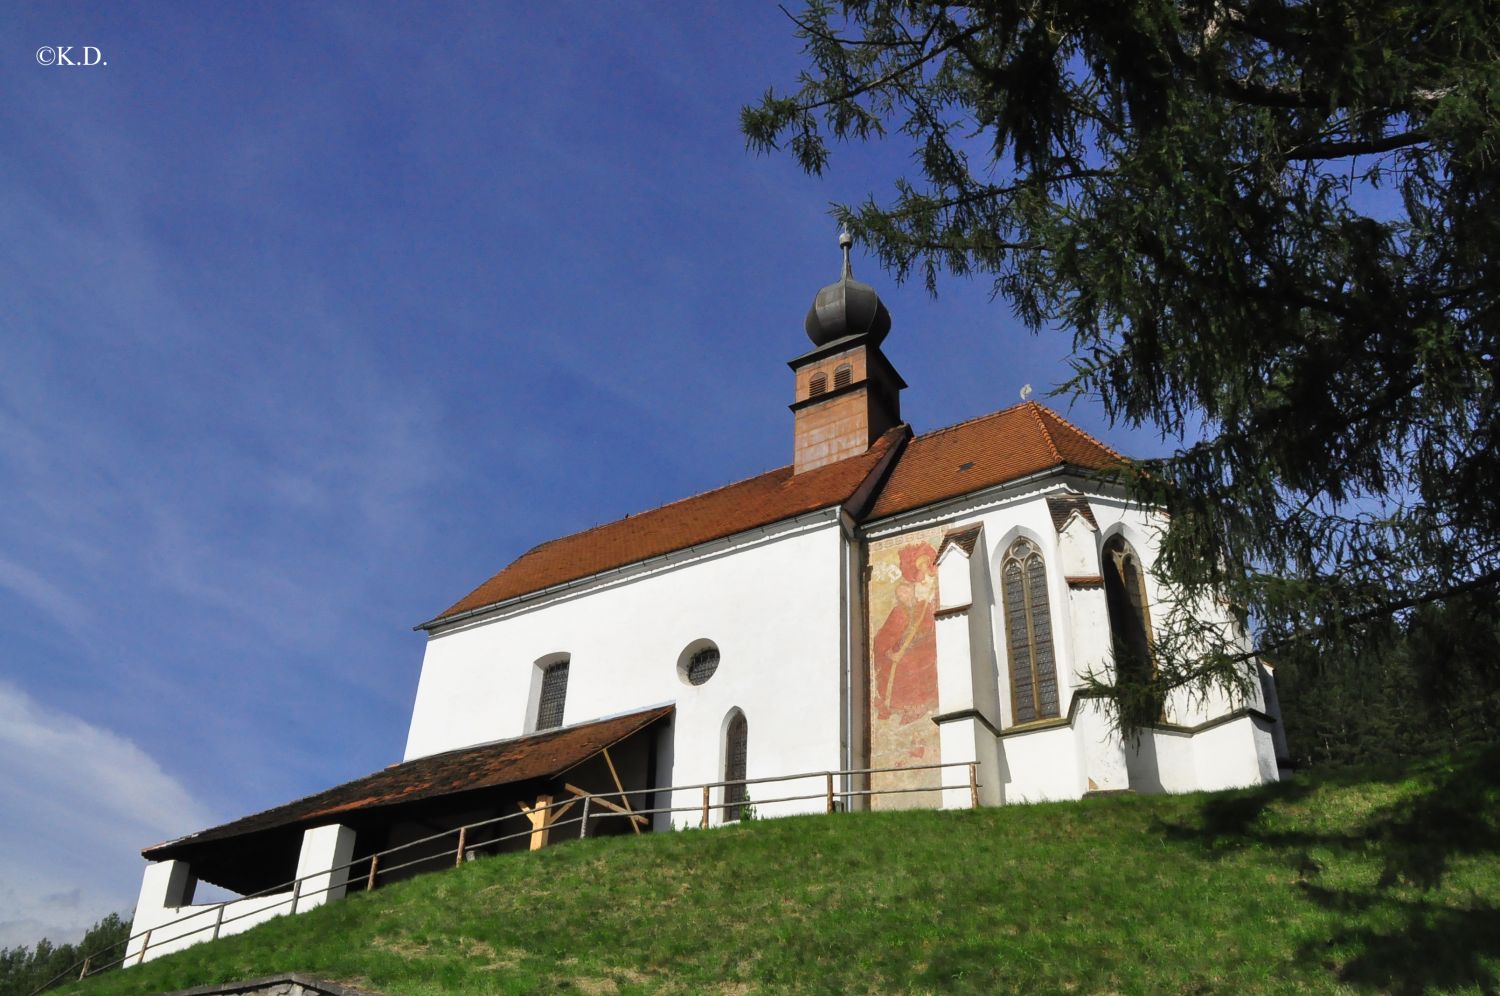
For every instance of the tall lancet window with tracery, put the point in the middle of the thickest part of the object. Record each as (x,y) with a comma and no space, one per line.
(1129,614)
(1028,626)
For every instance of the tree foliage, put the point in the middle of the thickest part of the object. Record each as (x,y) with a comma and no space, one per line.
(1420,690)
(1268,226)
(24,969)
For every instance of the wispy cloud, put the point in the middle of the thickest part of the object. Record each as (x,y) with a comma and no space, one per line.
(79,801)
(41,593)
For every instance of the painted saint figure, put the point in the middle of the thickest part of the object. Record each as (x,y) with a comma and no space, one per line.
(905,648)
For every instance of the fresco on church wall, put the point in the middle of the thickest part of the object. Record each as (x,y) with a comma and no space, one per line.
(903,666)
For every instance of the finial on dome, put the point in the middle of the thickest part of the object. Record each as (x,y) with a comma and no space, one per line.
(847,307)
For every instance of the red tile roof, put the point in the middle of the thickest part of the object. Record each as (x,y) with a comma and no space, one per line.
(540,755)
(966,457)
(759,501)
(984,452)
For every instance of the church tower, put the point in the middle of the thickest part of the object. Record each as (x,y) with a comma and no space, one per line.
(847,392)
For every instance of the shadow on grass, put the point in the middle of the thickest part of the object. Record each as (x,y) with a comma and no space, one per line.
(1433,946)
(1442,940)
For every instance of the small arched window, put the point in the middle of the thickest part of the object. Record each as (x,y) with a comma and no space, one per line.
(1028,625)
(842,375)
(549,706)
(1129,614)
(736,750)
(817,384)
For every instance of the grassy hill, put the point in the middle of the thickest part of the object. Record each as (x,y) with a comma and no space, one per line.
(1385,881)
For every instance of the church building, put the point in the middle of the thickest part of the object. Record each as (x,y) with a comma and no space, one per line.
(886,603)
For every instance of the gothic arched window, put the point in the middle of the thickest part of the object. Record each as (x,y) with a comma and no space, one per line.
(1129,615)
(1028,625)
(736,738)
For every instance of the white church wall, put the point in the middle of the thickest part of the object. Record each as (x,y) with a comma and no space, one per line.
(1102,754)
(175,924)
(1162,761)
(173,928)
(1235,754)
(1043,765)
(772,607)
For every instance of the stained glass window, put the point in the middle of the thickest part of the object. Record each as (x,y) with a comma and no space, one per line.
(1028,626)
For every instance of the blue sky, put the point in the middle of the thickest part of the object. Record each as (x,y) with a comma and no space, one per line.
(317,315)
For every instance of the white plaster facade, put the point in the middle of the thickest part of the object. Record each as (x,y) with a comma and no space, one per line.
(776,604)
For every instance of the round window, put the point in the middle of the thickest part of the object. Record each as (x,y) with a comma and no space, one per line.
(702,665)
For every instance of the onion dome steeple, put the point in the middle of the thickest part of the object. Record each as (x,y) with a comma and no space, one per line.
(847,308)
(847,393)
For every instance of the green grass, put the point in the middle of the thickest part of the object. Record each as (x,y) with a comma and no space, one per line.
(1373,881)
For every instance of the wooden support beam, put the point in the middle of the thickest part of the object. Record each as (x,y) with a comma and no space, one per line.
(538,816)
(542,816)
(599,800)
(624,799)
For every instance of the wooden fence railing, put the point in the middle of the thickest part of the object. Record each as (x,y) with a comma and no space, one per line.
(541,820)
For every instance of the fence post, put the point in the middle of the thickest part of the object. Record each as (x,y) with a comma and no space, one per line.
(218,922)
(583,823)
(145,943)
(830,790)
(296,894)
(973,786)
(704,824)
(85,970)
(370,882)
(463,835)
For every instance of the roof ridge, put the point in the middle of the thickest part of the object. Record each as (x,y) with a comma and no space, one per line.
(970,421)
(1084,433)
(1036,414)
